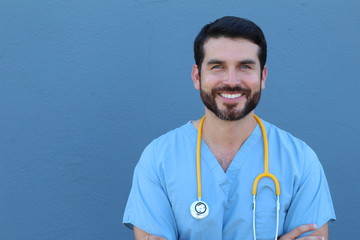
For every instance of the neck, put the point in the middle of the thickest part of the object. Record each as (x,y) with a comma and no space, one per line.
(225,138)
(227,133)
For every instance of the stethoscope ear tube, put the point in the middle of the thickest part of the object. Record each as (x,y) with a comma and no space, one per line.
(277,216)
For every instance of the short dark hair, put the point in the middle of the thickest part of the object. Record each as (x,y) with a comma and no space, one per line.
(230,27)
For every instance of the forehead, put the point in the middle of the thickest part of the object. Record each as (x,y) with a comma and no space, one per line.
(230,49)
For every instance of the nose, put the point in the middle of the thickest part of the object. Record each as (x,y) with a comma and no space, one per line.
(232,77)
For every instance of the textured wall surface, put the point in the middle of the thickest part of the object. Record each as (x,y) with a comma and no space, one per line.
(86,85)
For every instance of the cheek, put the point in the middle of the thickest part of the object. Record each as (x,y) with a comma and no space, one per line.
(207,82)
(254,82)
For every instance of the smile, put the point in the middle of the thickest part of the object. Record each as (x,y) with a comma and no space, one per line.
(230,96)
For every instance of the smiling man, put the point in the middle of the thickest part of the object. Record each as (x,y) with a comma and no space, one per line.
(196,182)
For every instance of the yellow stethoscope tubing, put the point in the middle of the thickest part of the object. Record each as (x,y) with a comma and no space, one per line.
(263,175)
(198,150)
(257,179)
(266,162)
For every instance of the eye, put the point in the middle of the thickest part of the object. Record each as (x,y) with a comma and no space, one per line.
(217,67)
(245,67)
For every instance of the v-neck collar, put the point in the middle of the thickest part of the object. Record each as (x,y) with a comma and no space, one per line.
(224,179)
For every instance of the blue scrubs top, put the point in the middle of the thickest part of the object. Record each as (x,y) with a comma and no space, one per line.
(164,187)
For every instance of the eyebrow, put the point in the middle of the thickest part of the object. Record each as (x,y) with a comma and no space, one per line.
(216,61)
(248,61)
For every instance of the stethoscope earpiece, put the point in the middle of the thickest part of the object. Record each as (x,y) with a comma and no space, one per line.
(199,210)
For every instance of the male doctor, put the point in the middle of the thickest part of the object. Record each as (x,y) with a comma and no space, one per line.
(230,73)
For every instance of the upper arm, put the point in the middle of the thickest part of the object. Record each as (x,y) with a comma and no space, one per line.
(312,200)
(148,207)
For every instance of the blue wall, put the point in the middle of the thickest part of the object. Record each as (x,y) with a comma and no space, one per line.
(85,85)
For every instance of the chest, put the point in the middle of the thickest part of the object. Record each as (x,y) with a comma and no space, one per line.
(230,204)
(225,159)
(228,195)
(224,156)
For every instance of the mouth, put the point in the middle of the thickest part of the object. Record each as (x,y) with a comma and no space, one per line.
(230,95)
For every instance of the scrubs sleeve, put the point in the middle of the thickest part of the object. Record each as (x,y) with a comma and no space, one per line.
(148,206)
(312,200)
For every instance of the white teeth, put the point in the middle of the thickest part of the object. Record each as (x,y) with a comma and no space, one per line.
(230,96)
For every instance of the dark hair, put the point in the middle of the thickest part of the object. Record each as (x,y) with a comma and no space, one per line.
(230,27)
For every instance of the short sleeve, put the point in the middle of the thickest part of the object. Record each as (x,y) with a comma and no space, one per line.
(311,202)
(148,206)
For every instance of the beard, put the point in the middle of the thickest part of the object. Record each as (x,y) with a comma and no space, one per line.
(230,112)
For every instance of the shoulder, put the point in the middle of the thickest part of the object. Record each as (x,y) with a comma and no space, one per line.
(283,137)
(289,145)
(170,142)
(296,159)
(181,133)
(162,156)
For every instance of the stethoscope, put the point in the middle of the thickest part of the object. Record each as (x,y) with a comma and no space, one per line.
(200,210)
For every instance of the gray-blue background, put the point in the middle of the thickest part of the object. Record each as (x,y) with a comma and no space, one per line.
(85,85)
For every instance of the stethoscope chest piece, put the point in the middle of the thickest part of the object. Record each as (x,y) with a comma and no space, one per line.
(199,210)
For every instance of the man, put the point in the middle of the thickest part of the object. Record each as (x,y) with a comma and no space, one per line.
(230,72)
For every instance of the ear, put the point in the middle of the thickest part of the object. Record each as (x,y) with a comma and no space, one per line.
(195,76)
(263,77)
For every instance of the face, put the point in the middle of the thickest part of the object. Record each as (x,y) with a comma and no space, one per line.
(231,80)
